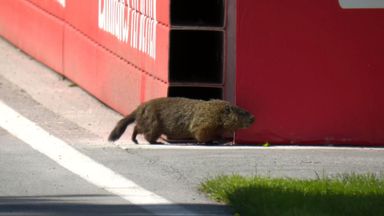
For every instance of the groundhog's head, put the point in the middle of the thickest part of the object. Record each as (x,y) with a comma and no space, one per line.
(235,118)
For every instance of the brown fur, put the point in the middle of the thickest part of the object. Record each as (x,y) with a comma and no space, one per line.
(182,118)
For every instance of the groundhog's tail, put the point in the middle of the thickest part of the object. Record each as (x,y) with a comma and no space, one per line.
(121,126)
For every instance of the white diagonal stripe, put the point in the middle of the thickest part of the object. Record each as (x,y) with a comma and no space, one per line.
(78,163)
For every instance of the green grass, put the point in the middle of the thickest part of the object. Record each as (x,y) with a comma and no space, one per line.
(348,195)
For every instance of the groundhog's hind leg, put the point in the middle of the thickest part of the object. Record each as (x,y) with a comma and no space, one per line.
(134,134)
(152,137)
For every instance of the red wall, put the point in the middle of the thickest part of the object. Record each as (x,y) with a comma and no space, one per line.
(34,29)
(311,72)
(68,39)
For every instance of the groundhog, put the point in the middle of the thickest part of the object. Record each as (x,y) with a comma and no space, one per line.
(182,118)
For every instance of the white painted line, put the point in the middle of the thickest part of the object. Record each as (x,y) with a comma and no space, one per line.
(78,163)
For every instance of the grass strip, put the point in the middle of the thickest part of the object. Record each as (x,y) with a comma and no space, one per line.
(347,194)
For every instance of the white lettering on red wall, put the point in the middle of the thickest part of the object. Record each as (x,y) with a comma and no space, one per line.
(130,21)
(61,2)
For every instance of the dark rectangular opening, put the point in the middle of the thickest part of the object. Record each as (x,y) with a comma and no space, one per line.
(203,93)
(198,13)
(196,56)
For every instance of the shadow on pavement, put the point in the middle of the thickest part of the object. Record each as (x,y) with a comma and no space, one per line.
(87,205)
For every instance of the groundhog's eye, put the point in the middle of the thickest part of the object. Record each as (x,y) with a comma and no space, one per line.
(227,110)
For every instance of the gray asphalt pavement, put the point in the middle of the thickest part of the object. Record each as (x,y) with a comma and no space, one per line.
(31,184)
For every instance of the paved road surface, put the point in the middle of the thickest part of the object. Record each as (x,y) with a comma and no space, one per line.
(32,184)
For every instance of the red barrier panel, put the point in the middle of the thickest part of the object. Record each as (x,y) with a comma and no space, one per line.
(137,38)
(54,7)
(116,50)
(38,33)
(106,75)
(311,72)
(129,61)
